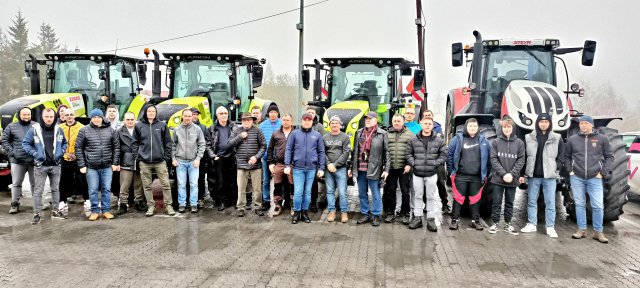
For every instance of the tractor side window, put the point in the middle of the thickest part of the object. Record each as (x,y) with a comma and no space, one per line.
(121,88)
(244,87)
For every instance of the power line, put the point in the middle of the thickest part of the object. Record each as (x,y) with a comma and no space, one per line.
(216,29)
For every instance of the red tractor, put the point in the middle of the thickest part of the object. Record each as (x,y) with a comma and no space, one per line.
(518,78)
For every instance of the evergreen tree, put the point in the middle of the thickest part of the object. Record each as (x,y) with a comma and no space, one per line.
(15,51)
(48,39)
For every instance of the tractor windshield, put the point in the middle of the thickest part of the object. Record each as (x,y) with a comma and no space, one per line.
(361,82)
(505,64)
(202,78)
(77,76)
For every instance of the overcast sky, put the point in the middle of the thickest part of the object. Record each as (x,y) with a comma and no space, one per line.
(349,28)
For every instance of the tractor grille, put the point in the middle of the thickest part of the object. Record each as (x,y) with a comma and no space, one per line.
(9,109)
(167,110)
(345,115)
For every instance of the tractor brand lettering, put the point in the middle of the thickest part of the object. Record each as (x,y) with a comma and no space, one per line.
(75,102)
(74,57)
(360,61)
(199,57)
(522,42)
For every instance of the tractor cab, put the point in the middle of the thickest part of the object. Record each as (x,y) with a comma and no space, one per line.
(355,86)
(208,81)
(82,82)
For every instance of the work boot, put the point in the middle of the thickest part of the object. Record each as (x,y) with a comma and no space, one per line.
(15,208)
(140,206)
(150,211)
(94,216)
(579,234)
(431,225)
(599,236)
(364,219)
(375,221)
(107,215)
(122,209)
(169,210)
(296,217)
(454,224)
(415,223)
(344,217)
(266,205)
(331,217)
(305,217)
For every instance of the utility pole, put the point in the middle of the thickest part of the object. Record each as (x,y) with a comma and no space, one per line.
(420,29)
(300,27)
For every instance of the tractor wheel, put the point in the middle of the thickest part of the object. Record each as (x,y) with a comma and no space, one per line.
(615,190)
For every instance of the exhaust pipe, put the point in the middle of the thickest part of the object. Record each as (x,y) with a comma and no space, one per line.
(156,76)
(34,75)
(476,76)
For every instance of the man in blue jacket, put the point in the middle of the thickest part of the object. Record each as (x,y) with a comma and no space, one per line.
(305,153)
(45,142)
(268,126)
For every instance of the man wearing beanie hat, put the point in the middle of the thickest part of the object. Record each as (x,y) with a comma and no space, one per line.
(588,159)
(337,147)
(545,151)
(98,154)
(268,126)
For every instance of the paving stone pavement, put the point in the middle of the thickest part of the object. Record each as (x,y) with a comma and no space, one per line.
(216,249)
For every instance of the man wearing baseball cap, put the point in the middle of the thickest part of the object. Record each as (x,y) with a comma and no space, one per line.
(588,159)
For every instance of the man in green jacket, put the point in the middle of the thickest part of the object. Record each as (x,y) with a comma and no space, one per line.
(399,135)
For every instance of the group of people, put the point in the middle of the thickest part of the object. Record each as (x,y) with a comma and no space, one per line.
(232,157)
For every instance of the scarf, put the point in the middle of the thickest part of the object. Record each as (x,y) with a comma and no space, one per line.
(366,139)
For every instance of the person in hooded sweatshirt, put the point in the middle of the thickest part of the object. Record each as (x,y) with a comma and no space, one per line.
(468,165)
(21,161)
(45,142)
(545,153)
(98,154)
(507,159)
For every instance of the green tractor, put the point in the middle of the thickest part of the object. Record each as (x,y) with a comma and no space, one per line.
(358,85)
(80,81)
(208,81)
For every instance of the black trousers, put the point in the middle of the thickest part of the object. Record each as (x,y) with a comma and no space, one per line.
(462,190)
(442,188)
(389,195)
(72,182)
(223,185)
(496,208)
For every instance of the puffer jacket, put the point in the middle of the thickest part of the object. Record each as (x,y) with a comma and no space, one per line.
(268,128)
(71,133)
(151,141)
(277,147)
(253,145)
(97,147)
(507,156)
(212,144)
(589,154)
(127,156)
(398,141)
(33,144)
(425,159)
(379,160)
(12,142)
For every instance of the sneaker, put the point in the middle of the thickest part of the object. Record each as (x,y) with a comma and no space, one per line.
(222,207)
(87,208)
(36,219)
(431,225)
(57,214)
(70,200)
(93,216)
(15,208)
(599,236)
(169,210)
(529,228)
(364,219)
(375,221)
(454,224)
(208,202)
(240,213)
(150,211)
(406,219)
(509,229)
(194,208)
(446,209)
(344,217)
(493,229)
(63,208)
(552,232)
(477,224)
(107,215)
(331,217)
(390,218)
(258,211)
(200,204)
(277,211)
(579,234)
(415,223)
(122,209)
(181,209)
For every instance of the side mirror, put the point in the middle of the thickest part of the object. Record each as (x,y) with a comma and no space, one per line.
(126,71)
(102,74)
(588,52)
(256,75)
(456,54)
(51,74)
(142,73)
(418,79)
(406,71)
(306,79)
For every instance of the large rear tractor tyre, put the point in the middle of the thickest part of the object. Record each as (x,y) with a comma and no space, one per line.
(615,190)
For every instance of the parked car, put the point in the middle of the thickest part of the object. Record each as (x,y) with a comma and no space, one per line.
(632,140)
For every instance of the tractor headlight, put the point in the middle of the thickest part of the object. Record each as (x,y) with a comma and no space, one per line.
(561,123)
(528,121)
(354,125)
(176,120)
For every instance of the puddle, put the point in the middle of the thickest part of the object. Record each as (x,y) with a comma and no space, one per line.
(404,252)
(562,266)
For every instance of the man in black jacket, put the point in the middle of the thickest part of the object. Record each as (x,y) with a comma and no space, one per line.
(204,164)
(21,162)
(152,147)
(221,175)
(128,167)
(425,153)
(98,155)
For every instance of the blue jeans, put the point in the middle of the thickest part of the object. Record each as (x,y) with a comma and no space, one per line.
(266,181)
(182,169)
(549,191)
(374,185)
(592,187)
(99,180)
(303,180)
(339,179)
